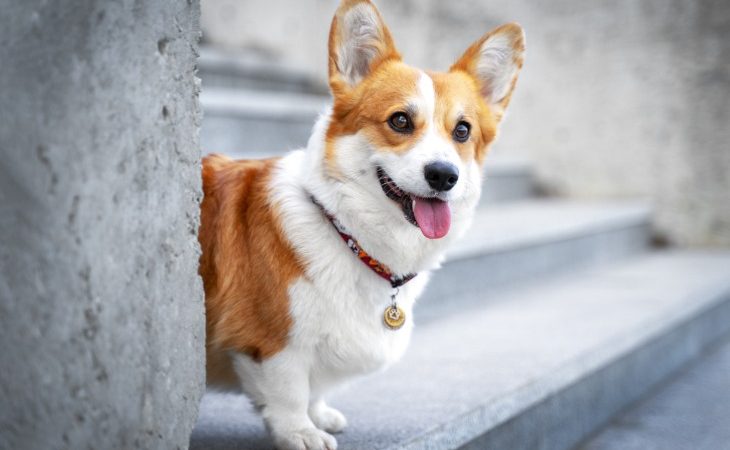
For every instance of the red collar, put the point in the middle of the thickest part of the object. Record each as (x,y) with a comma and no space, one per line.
(373,264)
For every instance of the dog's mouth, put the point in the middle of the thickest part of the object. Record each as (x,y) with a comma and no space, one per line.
(431,215)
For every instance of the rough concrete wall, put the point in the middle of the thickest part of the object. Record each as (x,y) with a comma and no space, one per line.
(101,309)
(617,98)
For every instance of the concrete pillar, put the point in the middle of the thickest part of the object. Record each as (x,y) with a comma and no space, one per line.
(101,308)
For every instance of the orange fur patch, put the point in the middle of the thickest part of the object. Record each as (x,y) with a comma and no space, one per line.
(370,104)
(246,264)
(458,98)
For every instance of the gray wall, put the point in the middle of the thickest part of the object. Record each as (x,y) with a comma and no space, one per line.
(101,308)
(617,98)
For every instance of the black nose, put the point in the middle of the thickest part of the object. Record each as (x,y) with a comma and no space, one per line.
(441,176)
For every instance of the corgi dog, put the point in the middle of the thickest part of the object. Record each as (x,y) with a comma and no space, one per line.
(312,262)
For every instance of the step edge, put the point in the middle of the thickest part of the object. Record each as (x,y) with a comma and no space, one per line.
(262,104)
(215,92)
(308,115)
(501,409)
(627,220)
(230,63)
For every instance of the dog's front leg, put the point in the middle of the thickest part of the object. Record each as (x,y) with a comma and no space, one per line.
(325,417)
(282,394)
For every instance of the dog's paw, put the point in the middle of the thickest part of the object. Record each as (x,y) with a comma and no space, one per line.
(305,439)
(327,418)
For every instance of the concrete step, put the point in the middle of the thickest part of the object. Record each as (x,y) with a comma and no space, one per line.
(536,366)
(238,70)
(519,241)
(257,124)
(690,411)
(507,179)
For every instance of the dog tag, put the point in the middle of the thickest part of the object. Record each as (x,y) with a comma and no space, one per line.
(394,317)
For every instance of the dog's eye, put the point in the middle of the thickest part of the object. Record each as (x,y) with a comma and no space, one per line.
(461,132)
(400,122)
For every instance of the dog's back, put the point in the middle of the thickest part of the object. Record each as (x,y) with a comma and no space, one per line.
(246,264)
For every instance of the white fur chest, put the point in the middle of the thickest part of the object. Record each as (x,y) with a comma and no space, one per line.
(342,328)
(338,305)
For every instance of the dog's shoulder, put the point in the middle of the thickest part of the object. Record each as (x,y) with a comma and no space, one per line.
(233,191)
(221,173)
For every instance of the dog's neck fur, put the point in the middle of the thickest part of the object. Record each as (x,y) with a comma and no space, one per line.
(374,220)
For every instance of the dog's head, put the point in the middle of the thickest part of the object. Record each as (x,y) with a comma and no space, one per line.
(414,140)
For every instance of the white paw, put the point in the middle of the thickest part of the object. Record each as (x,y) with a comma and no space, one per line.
(328,419)
(305,439)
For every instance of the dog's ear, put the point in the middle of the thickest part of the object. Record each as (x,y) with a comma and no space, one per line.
(358,42)
(495,61)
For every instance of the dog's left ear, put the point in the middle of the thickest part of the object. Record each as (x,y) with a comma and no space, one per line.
(359,41)
(495,61)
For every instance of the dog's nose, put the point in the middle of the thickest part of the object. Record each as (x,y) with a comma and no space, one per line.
(441,176)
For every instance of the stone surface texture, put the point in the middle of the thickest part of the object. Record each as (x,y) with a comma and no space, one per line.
(101,309)
(616,99)
(690,411)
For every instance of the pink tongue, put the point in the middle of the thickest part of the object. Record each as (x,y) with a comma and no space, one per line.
(433,217)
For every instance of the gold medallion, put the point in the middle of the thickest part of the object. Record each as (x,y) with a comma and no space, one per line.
(394,317)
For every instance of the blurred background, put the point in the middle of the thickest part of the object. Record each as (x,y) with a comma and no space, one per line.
(616,99)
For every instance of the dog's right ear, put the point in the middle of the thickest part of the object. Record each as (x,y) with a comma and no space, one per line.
(359,41)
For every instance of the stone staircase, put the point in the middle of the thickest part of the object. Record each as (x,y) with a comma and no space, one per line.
(689,411)
(549,318)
